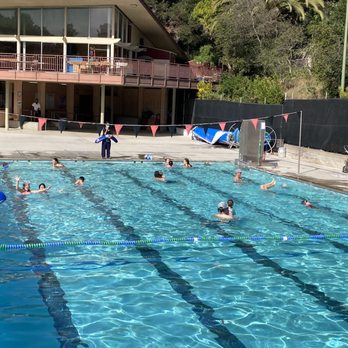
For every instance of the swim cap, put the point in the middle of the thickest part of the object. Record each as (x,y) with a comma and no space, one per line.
(2,197)
(222,205)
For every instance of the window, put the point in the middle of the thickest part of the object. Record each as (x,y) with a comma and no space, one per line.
(100,22)
(78,22)
(31,21)
(8,22)
(53,21)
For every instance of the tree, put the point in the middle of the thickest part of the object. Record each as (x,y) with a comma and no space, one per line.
(326,47)
(298,6)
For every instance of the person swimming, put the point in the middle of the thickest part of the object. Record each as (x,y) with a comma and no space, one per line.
(186,163)
(230,208)
(42,188)
(56,163)
(237,176)
(158,174)
(307,203)
(223,212)
(268,185)
(80,181)
(25,190)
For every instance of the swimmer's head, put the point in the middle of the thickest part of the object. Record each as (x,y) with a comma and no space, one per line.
(158,174)
(230,203)
(221,207)
(42,186)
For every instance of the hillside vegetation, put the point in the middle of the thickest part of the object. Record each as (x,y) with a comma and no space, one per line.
(269,49)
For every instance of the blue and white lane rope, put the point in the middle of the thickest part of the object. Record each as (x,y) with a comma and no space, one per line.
(196,239)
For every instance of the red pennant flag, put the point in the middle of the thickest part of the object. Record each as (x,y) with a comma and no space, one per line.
(286,117)
(254,121)
(188,127)
(118,128)
(42,122)
(81,124)
(154,129)
(222,125)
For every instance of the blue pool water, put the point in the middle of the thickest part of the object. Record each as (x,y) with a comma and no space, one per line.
(277,284)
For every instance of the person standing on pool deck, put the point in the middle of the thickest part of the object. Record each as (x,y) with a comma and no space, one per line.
(106,143)
(36,108)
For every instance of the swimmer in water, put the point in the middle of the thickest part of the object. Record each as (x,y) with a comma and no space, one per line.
(159,176)
(56,163)
(237,176)
(80,181)
(25,190)
(223,212)
(42,188)
(307,203)
(268,185)
(186,163)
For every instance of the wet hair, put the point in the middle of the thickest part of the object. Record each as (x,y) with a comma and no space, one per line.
(187,160)
(221,210)
(158,174)
(230,200)
(56,159)
(82,178)
(42,184)
(170,162)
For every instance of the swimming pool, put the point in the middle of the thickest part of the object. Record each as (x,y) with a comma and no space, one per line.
(269,279)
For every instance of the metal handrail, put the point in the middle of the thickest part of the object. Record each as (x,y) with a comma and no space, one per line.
(102,65)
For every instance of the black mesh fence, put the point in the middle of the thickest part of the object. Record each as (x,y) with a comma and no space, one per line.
(325,122)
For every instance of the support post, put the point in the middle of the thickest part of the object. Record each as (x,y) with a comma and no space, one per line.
(299,144)
(173,106)
(7,104)
(102,104)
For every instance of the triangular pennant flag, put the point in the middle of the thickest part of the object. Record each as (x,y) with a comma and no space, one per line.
(172,130)
(254,121)
(81,124)
(154,129)
(222,125)
(286,117)
(136,130)
(42,122)
(118,128)
(188,127)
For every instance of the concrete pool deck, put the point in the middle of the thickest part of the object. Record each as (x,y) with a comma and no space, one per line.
(319,167)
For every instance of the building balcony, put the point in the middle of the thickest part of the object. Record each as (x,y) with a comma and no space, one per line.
(103,71)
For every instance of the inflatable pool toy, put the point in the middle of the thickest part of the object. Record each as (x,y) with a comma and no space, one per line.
(103,137)
(2,197)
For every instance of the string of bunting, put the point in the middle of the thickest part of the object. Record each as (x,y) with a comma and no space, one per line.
(62,123)
(197,239)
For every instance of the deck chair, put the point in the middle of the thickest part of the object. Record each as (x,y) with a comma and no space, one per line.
(234,139)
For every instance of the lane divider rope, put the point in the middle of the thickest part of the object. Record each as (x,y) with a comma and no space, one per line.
(97,242)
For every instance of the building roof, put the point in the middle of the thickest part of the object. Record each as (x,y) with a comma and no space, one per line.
(136,10)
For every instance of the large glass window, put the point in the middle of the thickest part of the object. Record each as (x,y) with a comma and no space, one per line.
(31,21)
(53,22)
(8,22)
(100,22)
(78,22)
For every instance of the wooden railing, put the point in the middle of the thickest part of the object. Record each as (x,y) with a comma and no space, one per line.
(135,68)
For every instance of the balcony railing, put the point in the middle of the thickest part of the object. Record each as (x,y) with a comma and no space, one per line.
(132,71)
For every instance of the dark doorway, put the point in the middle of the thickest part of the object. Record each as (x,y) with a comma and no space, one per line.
(85,110)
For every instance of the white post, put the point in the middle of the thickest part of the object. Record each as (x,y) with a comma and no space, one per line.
(173,105)
(102,103)
(7,104)
(299,144)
